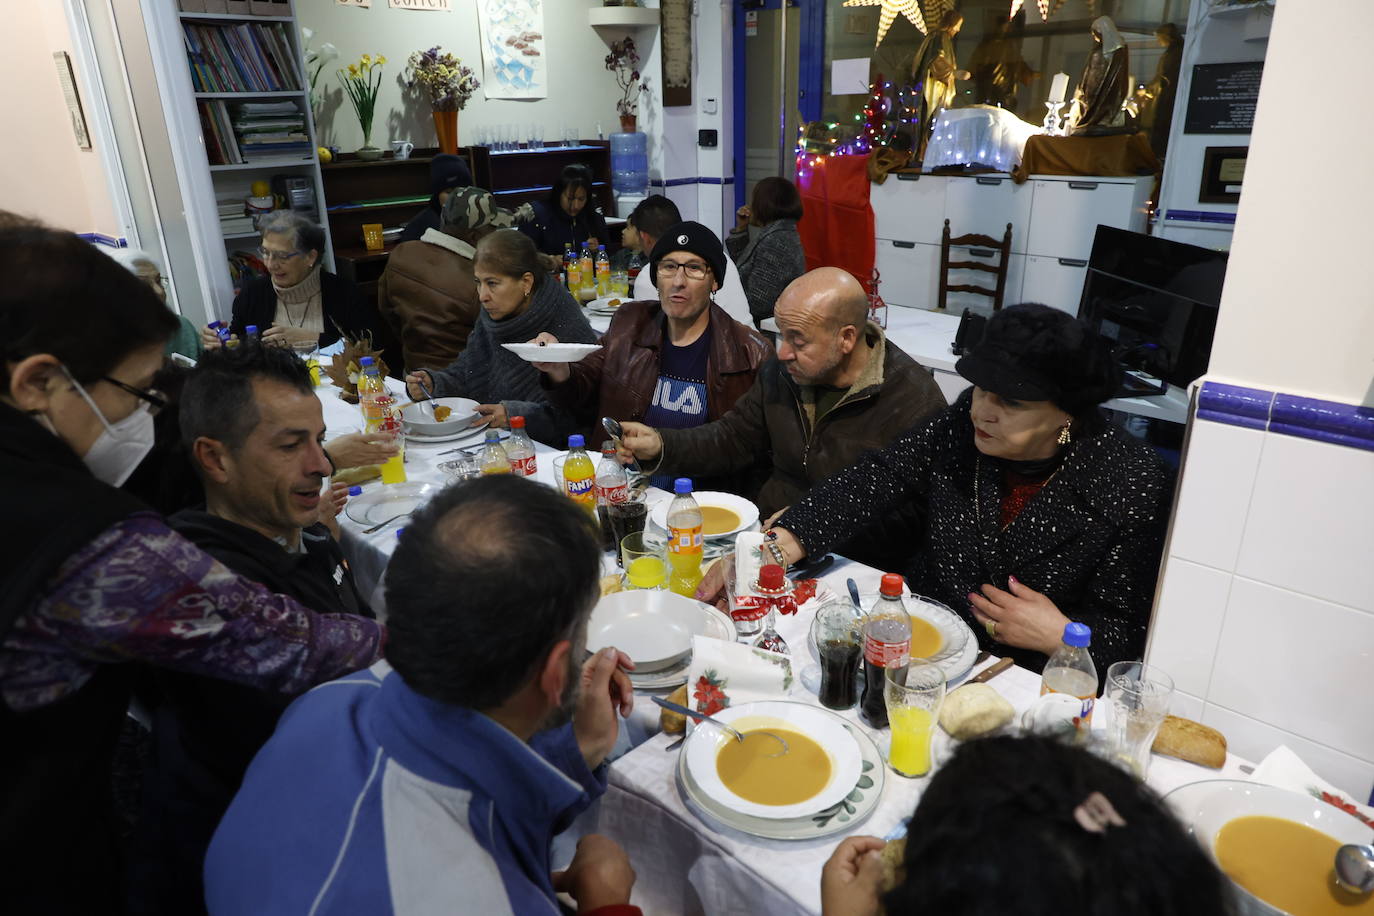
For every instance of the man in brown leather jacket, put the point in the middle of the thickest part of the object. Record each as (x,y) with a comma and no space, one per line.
(427,293)
(837,388)
(678,362)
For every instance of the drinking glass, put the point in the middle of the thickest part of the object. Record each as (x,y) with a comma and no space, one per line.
(645,565)
(558,479)
(1138,700)
(627,517)
(748,622)
(912,711)
(837,634)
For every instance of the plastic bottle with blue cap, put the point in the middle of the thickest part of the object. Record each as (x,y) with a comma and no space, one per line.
(1071,671)
(579,475)
(684,539)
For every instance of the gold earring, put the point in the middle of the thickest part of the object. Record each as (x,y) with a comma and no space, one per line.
(1064,435)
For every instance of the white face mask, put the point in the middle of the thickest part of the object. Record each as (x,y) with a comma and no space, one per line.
(122,445)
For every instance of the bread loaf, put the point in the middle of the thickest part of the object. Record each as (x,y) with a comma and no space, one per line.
(1191,741)
(674,723)
(973,710)
(894,872)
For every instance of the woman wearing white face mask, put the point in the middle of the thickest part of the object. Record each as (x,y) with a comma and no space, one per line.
(93,578)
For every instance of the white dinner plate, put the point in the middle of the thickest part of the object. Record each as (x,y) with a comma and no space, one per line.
(471,432)
(418,421)
(820,725)
(748,512)
(717,626)
(841,817)
(552,353)
(653,627)
(388,501)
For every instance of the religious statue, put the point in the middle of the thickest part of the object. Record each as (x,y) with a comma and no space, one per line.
(997,67)
(1163,89)
(934,70)
(1105,82)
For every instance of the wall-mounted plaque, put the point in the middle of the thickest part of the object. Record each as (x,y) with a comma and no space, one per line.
(1222,98)
(676,21)
(1223,170)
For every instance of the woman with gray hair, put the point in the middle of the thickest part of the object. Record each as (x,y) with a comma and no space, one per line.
(299,303)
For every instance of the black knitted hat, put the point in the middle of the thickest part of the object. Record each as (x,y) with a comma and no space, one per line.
(1037,353)
(446,172)
(693,237)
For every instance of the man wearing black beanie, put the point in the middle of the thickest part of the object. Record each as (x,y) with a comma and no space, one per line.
(446,172)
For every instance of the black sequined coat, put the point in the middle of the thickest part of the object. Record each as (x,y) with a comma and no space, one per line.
(1091,539)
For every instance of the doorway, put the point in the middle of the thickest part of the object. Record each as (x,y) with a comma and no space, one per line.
(766,94)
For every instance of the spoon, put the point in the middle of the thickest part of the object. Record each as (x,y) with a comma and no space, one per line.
(738,735)
(1355,868)
(613,430)
(429,394)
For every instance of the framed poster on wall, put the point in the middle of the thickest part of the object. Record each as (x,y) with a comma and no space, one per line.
(1222,98)
(676,21)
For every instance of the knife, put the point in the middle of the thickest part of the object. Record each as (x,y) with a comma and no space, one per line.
(992,671)
(813,570)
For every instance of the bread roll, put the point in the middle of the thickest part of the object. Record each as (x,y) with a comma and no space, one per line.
(611,584)
(674,723)
(893,871)
(973,710)
(1191,741)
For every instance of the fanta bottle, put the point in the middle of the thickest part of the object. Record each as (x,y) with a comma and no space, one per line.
(579,475)
(684,540)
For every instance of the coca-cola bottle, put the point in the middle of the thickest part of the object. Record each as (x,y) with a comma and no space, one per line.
(612,486)
(887,649)
(519,449)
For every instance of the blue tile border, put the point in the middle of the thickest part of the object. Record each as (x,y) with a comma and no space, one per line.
(1287,414)
(1200,216)
(99,238)
(702,179)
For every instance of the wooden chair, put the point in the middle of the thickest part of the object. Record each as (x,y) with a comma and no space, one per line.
(982,241)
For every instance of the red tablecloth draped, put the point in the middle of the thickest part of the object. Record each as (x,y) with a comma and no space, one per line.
(837,225)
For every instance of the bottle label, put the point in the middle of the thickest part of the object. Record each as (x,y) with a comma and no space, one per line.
(581,490)
(684,540)
(523,467)
(607,496)
(887,654)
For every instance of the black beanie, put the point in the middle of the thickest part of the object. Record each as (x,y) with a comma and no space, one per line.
(693,237)
(1037,353)
(446,172)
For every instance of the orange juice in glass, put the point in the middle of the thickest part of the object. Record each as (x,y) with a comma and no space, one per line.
(912,711)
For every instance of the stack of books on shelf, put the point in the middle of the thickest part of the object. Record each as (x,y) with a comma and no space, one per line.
(253,131)
(232,218)
(247,57)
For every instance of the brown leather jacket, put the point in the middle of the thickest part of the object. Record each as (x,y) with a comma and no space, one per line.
(429,298)
(777,419)
(619,379)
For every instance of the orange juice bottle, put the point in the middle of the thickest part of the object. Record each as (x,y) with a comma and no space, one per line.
(579,475)
(684,540)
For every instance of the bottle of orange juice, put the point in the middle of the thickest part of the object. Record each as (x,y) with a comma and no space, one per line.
(579,475)
(684,540)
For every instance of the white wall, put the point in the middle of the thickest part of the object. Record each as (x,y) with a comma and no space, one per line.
(1264,615)
(582,93)
(46,175)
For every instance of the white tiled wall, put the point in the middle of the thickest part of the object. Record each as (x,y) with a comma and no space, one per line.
(1264,617)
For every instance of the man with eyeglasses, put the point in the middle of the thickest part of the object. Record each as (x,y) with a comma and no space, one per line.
(675,363)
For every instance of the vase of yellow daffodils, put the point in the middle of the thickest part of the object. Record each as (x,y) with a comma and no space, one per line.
(361,81)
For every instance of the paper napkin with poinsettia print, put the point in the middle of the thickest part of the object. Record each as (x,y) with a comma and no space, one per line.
(1285,769)
(725,674)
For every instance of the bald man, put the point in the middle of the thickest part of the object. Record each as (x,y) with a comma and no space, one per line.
(836,388)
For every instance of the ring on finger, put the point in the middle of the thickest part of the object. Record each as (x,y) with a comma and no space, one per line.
(991,626)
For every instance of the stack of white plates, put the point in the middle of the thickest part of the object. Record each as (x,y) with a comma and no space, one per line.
(655,628)
(848,797)
(421,427)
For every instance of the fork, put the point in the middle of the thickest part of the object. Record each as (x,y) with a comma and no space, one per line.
(380,525)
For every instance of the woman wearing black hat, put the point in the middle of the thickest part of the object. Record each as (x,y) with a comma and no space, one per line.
(1037,510)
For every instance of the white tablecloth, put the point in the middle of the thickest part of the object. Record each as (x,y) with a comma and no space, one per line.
(686,866)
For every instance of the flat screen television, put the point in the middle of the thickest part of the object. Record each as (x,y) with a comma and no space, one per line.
(1156,301)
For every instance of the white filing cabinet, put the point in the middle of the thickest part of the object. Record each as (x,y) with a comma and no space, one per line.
(1053,217)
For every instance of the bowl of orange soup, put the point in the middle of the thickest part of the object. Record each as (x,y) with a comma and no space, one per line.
(723,515)
(1277,847)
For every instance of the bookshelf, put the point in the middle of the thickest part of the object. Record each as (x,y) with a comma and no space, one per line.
(234,95)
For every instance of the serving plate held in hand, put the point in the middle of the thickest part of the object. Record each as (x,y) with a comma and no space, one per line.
(551,353)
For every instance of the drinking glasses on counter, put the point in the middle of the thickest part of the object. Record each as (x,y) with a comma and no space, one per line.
(645,566)
(913,709)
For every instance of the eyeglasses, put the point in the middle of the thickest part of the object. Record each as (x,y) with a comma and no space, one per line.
(155,399)
(268,254)
(694,270)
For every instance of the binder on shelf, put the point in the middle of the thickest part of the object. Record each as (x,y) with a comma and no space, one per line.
(265,8)
(192,6)
(239,7)
(216,6)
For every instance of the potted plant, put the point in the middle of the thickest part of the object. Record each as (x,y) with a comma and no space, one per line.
(361,81)
(623,61)
(315,61)
(449,83)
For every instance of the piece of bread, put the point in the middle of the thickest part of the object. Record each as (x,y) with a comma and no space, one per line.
(973,710)
(1191,741)
(674,723)
(611,584)
(357,475)
(894,873)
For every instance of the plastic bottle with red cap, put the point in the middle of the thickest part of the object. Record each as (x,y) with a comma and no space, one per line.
(887,649)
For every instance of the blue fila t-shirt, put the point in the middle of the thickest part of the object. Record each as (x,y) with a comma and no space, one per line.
(680,395)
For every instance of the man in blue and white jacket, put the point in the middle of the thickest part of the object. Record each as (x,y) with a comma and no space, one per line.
(435,781)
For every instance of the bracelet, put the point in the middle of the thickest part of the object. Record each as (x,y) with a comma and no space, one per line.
(770,541)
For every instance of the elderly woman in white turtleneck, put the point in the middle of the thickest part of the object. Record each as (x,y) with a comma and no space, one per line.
(299,303)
